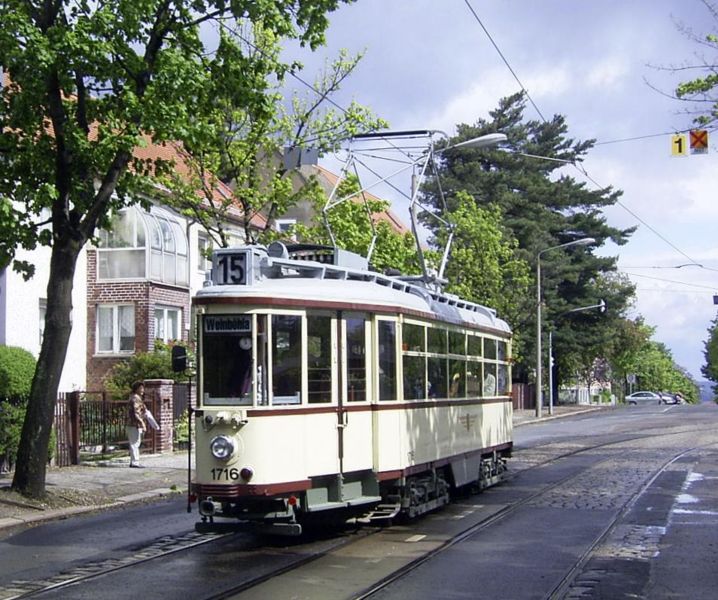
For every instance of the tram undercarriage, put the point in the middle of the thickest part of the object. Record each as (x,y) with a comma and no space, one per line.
(335,499)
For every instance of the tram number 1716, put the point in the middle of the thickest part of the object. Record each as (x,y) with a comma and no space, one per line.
(224,474)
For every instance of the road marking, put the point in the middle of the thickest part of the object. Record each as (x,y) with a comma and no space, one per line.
(415,538)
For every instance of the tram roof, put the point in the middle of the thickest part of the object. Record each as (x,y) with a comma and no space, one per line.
(293,277)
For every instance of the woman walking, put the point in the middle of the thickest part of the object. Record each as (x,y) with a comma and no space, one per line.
(136,423)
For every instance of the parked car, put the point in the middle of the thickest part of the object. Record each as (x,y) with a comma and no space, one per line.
(671,398)
(644,397)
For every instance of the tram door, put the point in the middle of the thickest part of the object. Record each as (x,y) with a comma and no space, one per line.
(355,418)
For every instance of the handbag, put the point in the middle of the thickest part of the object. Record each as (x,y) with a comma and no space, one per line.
(151,420)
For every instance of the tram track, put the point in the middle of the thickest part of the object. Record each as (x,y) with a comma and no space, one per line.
(560,590)
(167,546)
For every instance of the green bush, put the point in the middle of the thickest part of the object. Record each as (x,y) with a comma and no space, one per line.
(141,366)
(17,368)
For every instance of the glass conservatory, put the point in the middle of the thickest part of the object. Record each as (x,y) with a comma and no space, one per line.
(144,245)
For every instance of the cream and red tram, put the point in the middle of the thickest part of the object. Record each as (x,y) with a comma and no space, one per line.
(326,390)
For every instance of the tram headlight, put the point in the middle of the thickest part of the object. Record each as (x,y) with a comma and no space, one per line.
(222,447)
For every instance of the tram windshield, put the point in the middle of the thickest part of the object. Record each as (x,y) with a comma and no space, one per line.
(227,359)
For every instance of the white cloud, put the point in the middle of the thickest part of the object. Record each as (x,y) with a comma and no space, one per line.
(607,73)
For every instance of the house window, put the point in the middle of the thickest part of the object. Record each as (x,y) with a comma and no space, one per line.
(115,328)
(167,323)
(286,226)
(204,253)
(122,248)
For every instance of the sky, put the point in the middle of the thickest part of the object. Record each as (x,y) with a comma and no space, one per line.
(607,66)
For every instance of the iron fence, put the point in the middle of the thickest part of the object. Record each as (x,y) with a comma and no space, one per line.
(93,422)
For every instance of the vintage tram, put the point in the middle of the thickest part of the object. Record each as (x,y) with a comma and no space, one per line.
(328,391)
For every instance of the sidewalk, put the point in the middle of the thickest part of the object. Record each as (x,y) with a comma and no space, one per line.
(93,486)
(104,484)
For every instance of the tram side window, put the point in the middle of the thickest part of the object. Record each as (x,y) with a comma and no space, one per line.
(287,359)
(319,355)
(502,351)
(473,379)
(387,360)
(503,380)
(457,378)
(489,379)
(414,377)
(262,361)
(457,343)
(413,342)
(436,368)
(474,345)
(490,349)
(356,359)
(437,340)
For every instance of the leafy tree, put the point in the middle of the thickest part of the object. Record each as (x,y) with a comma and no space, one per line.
(540,207)
(592,342)
(710,369)
(88,84)
(240,147)
(655,369)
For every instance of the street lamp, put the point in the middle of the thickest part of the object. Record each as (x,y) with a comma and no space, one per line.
(601,306)
(580,242)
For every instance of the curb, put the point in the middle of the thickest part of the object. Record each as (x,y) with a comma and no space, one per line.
(63,513)
(533,421)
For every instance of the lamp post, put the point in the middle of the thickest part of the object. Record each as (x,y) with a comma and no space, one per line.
(580,242)
(601,306)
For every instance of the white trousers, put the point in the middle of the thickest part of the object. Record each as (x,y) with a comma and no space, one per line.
(134,435)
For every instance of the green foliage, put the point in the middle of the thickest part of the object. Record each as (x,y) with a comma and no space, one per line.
(710,369)
(655,369)
(17,367)
(142,365)
(181,429)
(484,266)
(355,222)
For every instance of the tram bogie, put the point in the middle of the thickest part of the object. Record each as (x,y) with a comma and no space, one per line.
(328,391)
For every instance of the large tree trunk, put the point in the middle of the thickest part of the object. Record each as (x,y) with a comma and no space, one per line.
(32,457)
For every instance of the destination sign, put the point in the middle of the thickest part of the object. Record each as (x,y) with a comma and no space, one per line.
(227,324)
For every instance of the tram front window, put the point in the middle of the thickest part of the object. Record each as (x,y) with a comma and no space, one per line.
(287,355)
(227,368)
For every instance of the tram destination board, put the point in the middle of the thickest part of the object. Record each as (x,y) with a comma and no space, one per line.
(227,324)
